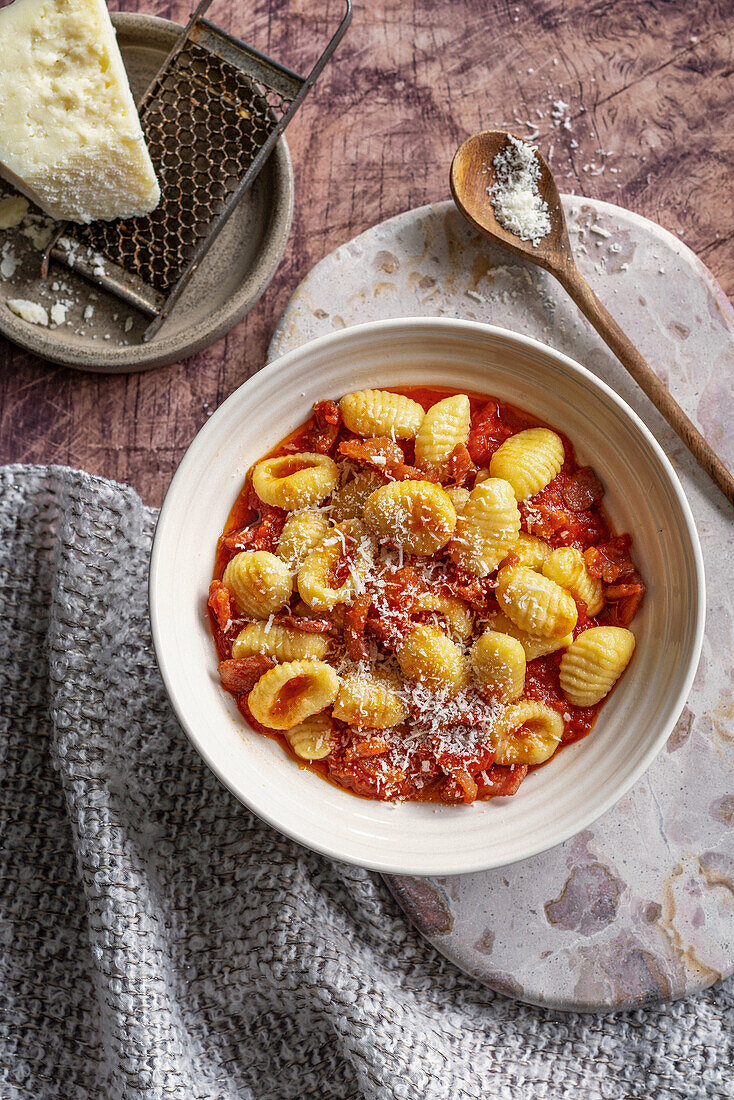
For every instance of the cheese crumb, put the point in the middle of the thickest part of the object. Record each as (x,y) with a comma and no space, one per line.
(58,313)
(31,312)
(12,211)
(515,196)
(38,230)
(8,263)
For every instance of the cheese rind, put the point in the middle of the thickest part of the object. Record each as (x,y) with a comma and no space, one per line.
(70,138)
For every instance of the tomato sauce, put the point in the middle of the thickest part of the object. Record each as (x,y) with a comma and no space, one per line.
(568,512)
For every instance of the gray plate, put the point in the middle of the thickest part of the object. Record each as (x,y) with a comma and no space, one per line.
(230,280)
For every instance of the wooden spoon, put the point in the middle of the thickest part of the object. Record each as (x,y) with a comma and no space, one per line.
(472,172)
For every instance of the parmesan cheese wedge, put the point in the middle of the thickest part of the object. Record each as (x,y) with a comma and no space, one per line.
(70,136)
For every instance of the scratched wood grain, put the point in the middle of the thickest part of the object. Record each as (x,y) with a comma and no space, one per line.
(649,88)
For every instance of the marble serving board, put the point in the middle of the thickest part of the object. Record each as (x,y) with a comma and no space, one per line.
(640,907)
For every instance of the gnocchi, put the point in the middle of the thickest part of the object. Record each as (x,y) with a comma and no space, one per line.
(318,587)
(533,645)
(311,739)
(529,551)
(260,583)
(399,609)
(416,516)
(487,528)
(499,665)
(281,642)
(291,692)
(534,602)
(455,612)
(349,499)
(566,566)
(295,480)
(593,663)
(444,427)
(302,532)
(530,732)
(529,460)
(459,497)
(380,412)
(433,659)
(368,701)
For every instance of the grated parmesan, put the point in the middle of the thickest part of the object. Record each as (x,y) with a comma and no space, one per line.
(8,262)
(12,211)
(28,311)
(515,197)
(58,313)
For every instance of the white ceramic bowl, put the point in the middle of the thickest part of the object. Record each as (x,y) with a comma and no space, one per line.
(643,496)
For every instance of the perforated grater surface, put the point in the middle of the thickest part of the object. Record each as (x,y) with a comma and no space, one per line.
(211,118)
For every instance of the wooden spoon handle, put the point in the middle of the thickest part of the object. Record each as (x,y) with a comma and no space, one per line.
(645,377)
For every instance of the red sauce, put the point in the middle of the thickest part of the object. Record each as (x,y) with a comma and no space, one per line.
(290,691)
(568,512)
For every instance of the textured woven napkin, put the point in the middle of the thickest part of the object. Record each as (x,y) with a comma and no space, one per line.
(158,941)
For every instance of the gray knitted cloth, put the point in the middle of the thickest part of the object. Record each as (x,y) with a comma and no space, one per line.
(158,941)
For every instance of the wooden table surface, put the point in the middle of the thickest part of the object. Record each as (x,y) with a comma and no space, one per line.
(649,89)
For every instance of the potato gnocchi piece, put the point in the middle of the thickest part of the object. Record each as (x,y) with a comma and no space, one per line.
(415,516)
(456,612)
(431,658)
(311,739)
(459,497)
(498,661)
(528,733)
(566,566)
(593,663)
(295,481)
(301,534)
(487,528)
(379,412)
(349,499)
(316,581)
(260,583)
(284,643)
(290,693)
(444,427)
(535,603)
(533,645)
(529,460)
(528,551)
(368,702)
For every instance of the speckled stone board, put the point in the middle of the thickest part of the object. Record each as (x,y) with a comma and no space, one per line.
(640,907)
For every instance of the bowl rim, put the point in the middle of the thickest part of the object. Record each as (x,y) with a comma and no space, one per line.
(258,805)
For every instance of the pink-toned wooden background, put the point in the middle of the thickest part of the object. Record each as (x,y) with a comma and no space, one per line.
(650,93)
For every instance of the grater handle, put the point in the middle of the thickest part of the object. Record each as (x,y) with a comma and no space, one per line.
(318,67)
(334,41)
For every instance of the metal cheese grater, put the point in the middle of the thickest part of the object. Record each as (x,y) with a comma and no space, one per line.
(211,118)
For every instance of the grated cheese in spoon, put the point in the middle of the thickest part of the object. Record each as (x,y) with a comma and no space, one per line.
(517,204)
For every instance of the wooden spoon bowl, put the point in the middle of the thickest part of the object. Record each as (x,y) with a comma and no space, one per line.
(473,173)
